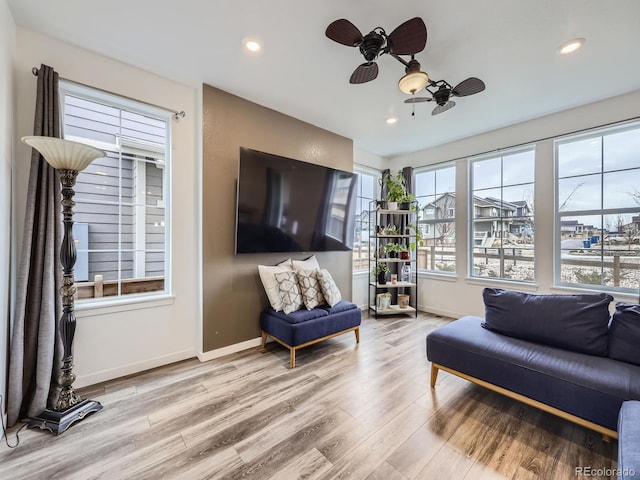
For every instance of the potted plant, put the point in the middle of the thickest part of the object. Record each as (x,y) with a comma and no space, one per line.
(390,230)
(380,273)
(404,252)
(396,190)
(418,233)
(405,202)
(392,249)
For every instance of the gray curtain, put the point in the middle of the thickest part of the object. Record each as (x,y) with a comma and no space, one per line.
(407,173)
(36,349)
(384,191)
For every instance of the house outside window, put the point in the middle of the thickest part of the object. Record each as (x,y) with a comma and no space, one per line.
(122,205)
(598,209)
(435,193)
(366,190)
(502,235)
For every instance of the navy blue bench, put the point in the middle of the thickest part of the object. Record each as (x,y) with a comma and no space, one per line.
(629,440)
(306,327)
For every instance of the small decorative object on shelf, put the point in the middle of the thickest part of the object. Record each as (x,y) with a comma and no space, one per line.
(395,250)
(405,275)
(403,300)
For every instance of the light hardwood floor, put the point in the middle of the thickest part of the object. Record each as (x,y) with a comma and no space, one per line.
(346,411)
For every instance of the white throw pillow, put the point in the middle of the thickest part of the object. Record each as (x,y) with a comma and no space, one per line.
(329,287)
(267,276)
(289,291)
(310,288)
(310,263)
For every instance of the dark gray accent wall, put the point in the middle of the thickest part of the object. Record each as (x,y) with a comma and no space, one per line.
(232,293)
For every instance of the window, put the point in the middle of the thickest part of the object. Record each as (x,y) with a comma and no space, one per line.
(502,233)
(366,191)
(598,209)
(122,201)
(436,195)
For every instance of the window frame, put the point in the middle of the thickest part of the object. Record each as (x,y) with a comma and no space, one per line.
(471,211)
(595,133)
(376,175)
(165,296)
(428,227)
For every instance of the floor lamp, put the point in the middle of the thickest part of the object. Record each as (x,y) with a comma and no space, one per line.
(68,158)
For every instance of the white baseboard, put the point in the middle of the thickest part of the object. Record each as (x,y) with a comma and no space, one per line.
(136,367)
(437,311)
(236,347)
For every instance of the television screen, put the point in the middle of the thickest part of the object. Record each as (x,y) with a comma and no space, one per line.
(287,205)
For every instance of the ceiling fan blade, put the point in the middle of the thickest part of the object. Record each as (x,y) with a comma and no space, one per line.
(418,100)
(408,38)
(443,108)
(364,73)
(468,87)
(344,32)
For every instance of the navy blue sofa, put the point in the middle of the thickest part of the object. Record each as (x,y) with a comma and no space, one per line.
(306,327)
(586,389)
(565,354)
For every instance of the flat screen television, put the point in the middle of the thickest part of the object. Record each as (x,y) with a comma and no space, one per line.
(286,205)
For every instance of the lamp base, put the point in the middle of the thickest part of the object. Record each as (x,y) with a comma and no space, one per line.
(58,422)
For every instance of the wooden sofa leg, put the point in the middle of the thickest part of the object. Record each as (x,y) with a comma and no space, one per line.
(434,375)
(264,339)
(357,332)
(292,357)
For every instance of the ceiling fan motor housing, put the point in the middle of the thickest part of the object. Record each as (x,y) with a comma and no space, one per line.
(371,45)
(441,96)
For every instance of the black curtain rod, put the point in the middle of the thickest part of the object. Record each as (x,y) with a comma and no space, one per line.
(177,114)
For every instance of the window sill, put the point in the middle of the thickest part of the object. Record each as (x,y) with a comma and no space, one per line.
(499,283)
(106,307)
(360,273)
(444,277)
(619,296)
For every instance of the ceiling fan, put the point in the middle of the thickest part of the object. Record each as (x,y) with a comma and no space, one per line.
(441,93)
(407,39)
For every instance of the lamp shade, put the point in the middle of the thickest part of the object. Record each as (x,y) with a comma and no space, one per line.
(64,154)
(413,82)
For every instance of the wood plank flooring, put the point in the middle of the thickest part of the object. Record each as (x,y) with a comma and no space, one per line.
(346,411)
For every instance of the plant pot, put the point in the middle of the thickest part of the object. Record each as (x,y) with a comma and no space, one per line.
(381,204)
(393,254)
(392,205)
(382,278)
(404,255)
(404,205)
(403,300)
(382,303)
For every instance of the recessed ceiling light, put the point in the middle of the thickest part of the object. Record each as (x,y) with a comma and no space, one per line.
(252,45)
(571,46)
(392,120)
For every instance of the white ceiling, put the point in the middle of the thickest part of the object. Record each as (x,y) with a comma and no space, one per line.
(510,44)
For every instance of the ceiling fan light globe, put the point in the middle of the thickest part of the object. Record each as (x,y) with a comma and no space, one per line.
(413,82)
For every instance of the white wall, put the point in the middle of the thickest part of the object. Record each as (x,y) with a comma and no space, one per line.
(113,342)
(367,159)
(7,51)
(462,296)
